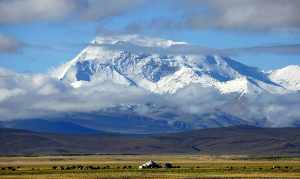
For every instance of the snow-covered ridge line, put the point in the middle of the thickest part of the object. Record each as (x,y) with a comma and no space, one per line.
(169,73)
(288,76)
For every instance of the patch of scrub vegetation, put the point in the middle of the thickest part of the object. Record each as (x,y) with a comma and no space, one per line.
(127,166)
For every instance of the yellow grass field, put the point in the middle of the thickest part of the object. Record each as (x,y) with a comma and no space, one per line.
(126,166)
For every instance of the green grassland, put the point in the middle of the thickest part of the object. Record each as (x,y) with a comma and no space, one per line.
(126,166)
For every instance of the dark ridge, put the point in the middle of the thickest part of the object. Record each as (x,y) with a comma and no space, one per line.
(241,140)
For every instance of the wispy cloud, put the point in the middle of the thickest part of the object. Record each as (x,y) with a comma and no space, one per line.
(189,49)
(285,49)
(9,44)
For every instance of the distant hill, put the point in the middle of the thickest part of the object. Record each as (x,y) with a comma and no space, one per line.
(41,125)
(232,140)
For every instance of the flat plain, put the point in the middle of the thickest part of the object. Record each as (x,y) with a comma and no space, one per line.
(126,166)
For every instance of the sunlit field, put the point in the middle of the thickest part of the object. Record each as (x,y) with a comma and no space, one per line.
(126,166)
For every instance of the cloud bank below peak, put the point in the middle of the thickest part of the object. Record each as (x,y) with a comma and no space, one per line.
(26,96)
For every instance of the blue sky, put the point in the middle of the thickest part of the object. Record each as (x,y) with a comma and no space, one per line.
(36,38)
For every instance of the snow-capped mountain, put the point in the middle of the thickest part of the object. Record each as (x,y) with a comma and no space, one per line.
(289,77)
(136,84)
(146,63)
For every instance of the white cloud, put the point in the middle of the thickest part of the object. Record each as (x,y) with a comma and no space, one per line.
(246,15)
(257,14)
(29,96)
(6,93)
(16,11)
(25,96)
(19,11)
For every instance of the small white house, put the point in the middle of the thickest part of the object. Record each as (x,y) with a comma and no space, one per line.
(149,164)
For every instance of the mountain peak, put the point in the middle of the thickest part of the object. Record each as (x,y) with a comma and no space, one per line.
(106,60)
(290,68)
(289,77)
